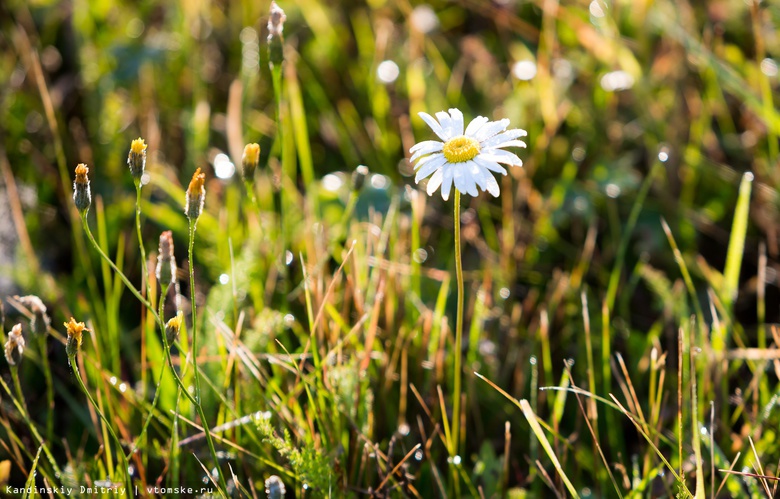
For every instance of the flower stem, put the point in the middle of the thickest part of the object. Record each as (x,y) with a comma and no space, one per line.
(125,466)
(116,269)
(197,400)
(144,278)
(161,307)
(458,333)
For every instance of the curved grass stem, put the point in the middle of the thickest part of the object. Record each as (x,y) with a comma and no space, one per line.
(121,274)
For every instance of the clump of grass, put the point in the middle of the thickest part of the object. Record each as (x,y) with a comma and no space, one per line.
(319,337)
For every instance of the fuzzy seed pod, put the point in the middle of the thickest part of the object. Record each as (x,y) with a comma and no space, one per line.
(249,161)
(40,322)
(172,328)
(275,34)
(196,195)
(166,262)
(82,195)
(136,158)
(14,347)
(359,177)
(75,330)
(274,487)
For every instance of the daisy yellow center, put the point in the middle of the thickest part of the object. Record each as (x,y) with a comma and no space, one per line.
(460,149)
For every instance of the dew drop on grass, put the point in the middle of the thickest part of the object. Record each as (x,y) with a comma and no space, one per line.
(454,460)
(524,70)
(332,182)
(224,279)
(420,255)
(424,19)
(387,71)
(418,455)
(379,181)
(122,387)
(223,167)
(404,429)
(532,360)
(288,257)
(113,380)
(504,293)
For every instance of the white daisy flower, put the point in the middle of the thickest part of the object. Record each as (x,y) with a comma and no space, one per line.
(465,158)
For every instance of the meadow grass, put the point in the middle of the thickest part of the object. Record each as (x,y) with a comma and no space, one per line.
(619,299)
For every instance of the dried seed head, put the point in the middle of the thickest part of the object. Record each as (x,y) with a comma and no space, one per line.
(196,195)
(275,36)
(75,330)
(250,160)
(82,195)
(274,487)
(136,158)
(14,347)
(359,177)
(276,21)
(40,322)
(172,328)
(166,262)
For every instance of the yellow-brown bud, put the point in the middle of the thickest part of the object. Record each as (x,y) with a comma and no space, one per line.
(172,328)
(136,158)
(249,161)
(82,195)
(196,195)
(75,330)
(166,262)
(14,347)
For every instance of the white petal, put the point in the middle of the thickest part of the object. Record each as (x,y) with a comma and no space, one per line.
(503,137)
(434,182)
(490,129)
(501,156)
(492,186)
(477,173)
(427,150)
(464,182)
(509,143)
(489,165)
(457,121)
(427,118)
(446,183)
(426,144)
(429,167)
(446,123)
(475,125)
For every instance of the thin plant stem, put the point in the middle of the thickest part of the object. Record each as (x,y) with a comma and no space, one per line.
(161,306)
(125,465)
(197,401)
(144,276)
(121,274)
(18,387)
(18,403)
(41,339)
(457,374)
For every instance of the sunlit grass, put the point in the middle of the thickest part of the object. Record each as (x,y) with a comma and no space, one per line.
(618,300)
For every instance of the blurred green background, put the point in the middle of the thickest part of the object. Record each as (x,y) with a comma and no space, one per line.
(635,111)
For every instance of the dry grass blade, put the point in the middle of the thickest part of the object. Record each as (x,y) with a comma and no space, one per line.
(658,452)
(530,416)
